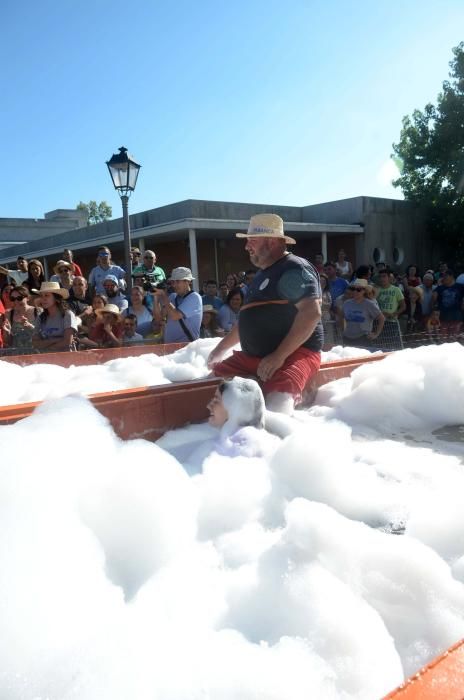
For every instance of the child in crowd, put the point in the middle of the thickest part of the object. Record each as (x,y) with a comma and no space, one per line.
(130,335)
(433,325)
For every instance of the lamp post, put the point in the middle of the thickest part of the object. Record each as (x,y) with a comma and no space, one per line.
(124,172)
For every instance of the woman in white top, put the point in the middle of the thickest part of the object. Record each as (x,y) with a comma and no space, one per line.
(344,267)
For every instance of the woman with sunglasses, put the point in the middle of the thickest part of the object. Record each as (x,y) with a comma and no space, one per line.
(56,326)
(20,322)
(359,314)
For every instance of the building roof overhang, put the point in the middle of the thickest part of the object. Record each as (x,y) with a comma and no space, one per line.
(81,239)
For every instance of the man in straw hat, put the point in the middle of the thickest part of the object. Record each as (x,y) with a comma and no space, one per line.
(279,325)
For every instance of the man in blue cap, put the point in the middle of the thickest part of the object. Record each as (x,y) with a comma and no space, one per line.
(112,291)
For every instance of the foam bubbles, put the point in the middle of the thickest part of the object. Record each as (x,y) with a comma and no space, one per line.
(188,569)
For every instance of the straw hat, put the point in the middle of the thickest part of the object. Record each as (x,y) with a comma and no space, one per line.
(360,282)
(53,288)
(109,309)
(62,263)
(266,226)
(209,308)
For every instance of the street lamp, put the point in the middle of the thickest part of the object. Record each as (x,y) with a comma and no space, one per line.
(124,173)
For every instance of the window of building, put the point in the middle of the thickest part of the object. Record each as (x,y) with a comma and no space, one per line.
(398,256)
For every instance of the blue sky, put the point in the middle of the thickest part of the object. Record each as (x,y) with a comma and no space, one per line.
(292,102)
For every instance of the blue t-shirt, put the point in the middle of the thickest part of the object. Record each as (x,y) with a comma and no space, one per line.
(192,309)
(262,328)
(337,288)
(359,317)
(98,274)
(449,301)
(215,302)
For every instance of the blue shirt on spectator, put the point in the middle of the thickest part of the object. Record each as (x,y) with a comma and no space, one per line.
(98,274)
(337,288)
(213,301)
(192,309)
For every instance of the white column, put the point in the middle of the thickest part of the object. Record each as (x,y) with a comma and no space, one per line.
(324,246)
(141,245)
(194,258)
(45,265)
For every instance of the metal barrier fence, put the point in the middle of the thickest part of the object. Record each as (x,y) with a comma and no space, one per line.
(393,337)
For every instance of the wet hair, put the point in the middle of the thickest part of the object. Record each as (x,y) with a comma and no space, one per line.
(233,292)
(244,402)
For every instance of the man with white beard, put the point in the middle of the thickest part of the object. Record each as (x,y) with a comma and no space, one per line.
(279,325)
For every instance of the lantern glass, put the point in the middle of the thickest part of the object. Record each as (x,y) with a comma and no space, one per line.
(124,171)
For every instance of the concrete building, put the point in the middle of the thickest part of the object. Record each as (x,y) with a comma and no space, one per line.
(200,235)
(15,232)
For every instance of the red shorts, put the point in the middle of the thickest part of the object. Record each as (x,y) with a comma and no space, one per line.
(291,378)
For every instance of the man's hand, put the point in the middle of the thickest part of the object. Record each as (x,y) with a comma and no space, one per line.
(214,357)
(269,365)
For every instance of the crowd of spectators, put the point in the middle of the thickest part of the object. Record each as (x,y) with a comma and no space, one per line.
(70,311)
(377,308)
(369,307)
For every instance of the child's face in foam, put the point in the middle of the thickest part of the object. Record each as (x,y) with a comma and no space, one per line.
(217,411)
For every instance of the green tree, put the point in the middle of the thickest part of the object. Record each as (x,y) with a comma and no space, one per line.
(431,157)
(96,213)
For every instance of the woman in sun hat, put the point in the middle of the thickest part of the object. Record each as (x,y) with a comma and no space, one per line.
(56,326)
(359,314)
(108,331)
(209,325)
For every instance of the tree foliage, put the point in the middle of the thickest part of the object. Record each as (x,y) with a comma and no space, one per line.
(431,153)
(96,213)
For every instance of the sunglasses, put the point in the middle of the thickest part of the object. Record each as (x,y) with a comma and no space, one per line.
(357,289)
(19,298)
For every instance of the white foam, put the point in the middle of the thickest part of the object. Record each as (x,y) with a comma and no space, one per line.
(44,381)
(269,573)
